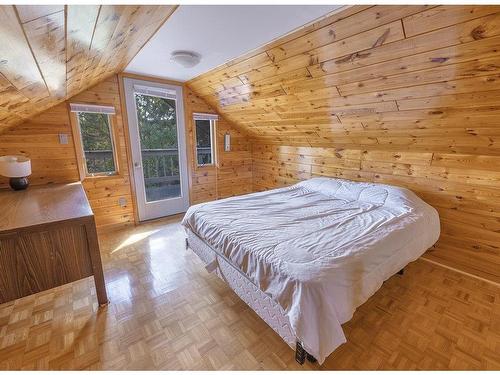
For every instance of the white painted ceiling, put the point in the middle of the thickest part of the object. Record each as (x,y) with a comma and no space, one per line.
(219,33)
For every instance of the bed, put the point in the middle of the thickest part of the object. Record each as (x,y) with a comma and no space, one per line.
(304,257)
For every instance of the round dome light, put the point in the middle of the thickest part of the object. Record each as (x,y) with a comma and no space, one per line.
(186,59)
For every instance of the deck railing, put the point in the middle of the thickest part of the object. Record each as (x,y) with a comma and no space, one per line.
(159,165)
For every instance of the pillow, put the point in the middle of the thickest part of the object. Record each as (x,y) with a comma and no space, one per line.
(324,185)
(376,195)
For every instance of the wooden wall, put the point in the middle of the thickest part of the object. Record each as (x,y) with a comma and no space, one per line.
(52,162)
(38,138)
(467,198)
(406,95)
(104,192)
(232,174)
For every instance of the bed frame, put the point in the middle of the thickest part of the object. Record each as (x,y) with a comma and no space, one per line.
(265,307)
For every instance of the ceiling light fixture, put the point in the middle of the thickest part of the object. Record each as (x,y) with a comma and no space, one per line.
(186,59)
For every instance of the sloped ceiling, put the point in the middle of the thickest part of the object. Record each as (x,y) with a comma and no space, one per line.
(49,53)
(419,77)
(199,28)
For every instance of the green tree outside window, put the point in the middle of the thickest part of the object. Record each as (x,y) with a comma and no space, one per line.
(97,142)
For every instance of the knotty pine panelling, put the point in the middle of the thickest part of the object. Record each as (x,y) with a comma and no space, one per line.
(405,95)
(52,162)
(38,138)
(364,80)
(464,188)
(104,192)
(232,174)
(52,52)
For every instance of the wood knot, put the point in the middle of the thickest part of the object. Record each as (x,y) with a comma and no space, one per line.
(488,68)
(439,59)
(381,39)
(478,32)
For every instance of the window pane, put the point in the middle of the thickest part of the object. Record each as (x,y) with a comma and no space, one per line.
(203,142)
(157,123)
(97,143)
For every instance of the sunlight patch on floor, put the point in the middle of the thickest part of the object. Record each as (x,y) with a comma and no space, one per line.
(134,238)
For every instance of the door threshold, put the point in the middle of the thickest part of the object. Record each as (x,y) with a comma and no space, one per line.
(169,218)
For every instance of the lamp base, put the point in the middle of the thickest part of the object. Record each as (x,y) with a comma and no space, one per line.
(18,183)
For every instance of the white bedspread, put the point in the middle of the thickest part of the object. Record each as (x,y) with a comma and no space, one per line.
(319,248)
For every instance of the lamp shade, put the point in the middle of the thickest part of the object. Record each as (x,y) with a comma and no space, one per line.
(15,166)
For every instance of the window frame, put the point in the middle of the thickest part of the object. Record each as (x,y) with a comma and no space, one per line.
(213,123)
(80,152)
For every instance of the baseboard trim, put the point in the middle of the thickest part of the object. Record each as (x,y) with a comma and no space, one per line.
(462,272)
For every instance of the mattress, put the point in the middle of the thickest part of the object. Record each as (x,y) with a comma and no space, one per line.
(319,248)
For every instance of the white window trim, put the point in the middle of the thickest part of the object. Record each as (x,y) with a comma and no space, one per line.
(213,120)
(113,147)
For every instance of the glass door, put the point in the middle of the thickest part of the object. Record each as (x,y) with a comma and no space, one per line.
(156,128)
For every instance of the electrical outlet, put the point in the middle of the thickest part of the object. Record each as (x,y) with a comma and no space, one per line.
(122,201)
(63,139)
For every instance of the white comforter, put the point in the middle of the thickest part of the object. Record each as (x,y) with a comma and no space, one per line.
(319,248)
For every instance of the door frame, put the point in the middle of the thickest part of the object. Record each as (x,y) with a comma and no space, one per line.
(125,83)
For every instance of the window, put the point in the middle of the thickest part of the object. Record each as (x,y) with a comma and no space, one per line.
(94,125)
(204,142)
(158,143)
(204,124)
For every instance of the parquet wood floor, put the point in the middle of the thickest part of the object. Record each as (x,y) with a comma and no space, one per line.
(167,312)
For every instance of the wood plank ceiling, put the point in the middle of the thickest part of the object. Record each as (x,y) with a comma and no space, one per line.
(371,76)
(52,52)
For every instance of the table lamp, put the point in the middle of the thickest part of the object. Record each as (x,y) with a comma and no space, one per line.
(17,168)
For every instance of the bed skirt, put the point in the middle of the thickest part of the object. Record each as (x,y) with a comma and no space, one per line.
(271,312)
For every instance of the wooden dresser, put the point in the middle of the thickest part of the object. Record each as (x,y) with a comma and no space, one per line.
(47,238)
